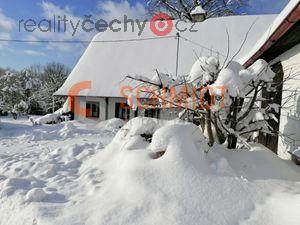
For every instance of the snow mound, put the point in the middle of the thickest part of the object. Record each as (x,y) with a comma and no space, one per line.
(140,126)
(136,142)
(49,118)
(36,195)
(18,183)
(67,131)
(163,136)
(275,211)
(221,166)
(111,124)
(180,184)
(69,181)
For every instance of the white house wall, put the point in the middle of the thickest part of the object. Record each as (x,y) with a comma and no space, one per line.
(109,113)
(112,107)
(105,114)
(290,115)
(82,103)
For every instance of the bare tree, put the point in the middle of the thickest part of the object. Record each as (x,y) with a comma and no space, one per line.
(182,8)
(53,77)
(230,103)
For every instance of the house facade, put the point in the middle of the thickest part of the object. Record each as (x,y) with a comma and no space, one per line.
(95,109)
(280,47)
(111,56)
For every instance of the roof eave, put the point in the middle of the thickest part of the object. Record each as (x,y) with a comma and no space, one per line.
(281,30)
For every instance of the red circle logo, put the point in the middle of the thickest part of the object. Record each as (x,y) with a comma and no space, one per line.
(161,24)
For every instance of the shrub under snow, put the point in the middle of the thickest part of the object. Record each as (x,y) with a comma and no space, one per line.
(52,118)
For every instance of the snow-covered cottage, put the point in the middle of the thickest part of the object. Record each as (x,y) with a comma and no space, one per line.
(113,55)
(280,46)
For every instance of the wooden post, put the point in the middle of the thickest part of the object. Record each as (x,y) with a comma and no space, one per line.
(177,54)
(106,108)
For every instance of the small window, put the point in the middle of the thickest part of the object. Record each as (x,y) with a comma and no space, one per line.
(154,113)
(92,110)
(122,111)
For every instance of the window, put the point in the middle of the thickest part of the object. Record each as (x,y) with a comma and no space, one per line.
(154,113)
(122,111)
(92,110)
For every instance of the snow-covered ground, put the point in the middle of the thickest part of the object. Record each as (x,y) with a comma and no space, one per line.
(74,173)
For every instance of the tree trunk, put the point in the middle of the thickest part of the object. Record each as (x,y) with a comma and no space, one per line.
(209,129)
(232,139)
(221,137)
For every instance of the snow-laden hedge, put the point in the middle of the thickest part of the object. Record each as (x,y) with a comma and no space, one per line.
(52,118)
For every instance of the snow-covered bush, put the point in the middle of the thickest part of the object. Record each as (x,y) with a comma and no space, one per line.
(16,91)
(20,108)
(11,90)
(34,87)
(52,118)
(2,108)
(226,100)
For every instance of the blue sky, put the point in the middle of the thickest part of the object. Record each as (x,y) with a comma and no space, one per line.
(21,55)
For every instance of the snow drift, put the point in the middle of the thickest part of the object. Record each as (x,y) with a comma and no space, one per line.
(80,182)
(184,186)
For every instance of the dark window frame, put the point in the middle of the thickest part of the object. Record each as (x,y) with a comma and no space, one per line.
(122,111)
(92,109)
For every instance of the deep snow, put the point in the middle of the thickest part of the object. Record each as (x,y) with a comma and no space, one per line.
(74,173)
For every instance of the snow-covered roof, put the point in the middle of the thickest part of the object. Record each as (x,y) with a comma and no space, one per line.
(270,30)
(107,60)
